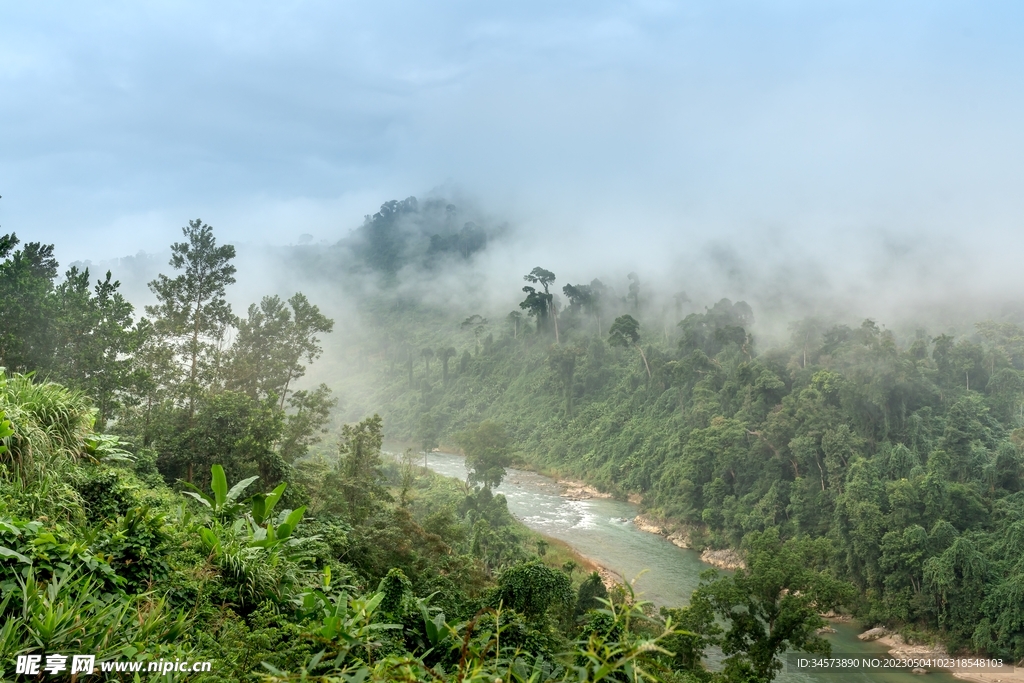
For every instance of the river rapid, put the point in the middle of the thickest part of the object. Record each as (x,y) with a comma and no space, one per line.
(602,530)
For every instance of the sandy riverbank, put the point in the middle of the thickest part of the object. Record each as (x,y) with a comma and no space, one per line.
(609,578)
(1015,676)
(900,649)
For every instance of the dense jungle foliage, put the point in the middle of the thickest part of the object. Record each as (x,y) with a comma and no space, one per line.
(903,455)
(164,496)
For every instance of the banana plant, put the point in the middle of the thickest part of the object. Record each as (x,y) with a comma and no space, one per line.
(262,504)
(223,501)
(107,448)
(435,626)
(271,536)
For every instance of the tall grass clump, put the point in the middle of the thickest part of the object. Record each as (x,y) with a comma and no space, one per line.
(45,434)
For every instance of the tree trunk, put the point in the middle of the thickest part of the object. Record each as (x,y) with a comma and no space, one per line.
(195,362)
(284,392)
(644,356)
(554,316)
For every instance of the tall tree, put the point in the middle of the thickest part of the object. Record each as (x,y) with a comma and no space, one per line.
(579,297)
(544,278)
(358,476)
(540,276)
(515,318)
(536,304)
(562,360)
(303,343)
(478,324)
(634,290)
(445,354)
(256,364)
(192,313)
(540,304)
(598,294)
(625,331)
(273,343)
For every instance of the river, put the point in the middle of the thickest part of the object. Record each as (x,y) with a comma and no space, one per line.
(602,530)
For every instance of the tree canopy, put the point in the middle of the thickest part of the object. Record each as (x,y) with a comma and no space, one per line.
(488,453)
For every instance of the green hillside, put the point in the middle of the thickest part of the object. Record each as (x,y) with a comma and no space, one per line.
(905,454)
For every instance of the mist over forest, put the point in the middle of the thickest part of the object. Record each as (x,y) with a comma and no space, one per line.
(463,260)
(727,290)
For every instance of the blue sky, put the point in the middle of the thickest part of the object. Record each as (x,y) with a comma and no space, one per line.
(839,131)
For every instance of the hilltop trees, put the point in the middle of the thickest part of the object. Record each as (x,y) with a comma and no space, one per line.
(192,314)
(411,232)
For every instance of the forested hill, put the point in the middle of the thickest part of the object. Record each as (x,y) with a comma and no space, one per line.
(906,454)
(899,459)
(405,237)
(165,496)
